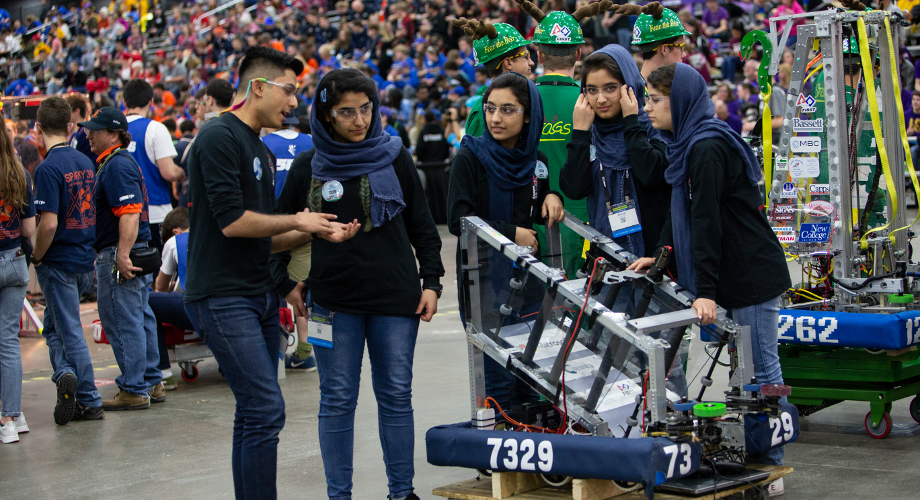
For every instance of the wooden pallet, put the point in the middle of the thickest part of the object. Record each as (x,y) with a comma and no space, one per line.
(531,487)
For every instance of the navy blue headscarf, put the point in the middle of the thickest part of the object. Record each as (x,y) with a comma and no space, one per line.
(610,143)
(693,119)
(509,168)
(374,157)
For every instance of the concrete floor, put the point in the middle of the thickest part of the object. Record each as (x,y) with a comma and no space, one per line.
(181,448)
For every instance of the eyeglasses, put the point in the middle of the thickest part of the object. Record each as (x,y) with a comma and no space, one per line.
(609,91)
(678,45)
(655,100)
(352,113)
(286,87)
(522,53)
(506,111)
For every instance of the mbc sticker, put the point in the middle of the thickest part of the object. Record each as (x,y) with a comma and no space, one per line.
(804,167)
(785,234)
(814,233)
(800,125)
(819,209)
(805,144)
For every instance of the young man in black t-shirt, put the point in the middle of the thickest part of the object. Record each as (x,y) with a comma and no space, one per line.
(230,294)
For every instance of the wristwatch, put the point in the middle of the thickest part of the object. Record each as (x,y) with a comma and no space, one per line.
(35,261)
(439,289)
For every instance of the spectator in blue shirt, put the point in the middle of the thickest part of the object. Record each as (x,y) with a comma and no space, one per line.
(20,87)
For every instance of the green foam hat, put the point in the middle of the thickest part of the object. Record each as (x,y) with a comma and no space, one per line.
(649,30)
(558,34)
(486,49)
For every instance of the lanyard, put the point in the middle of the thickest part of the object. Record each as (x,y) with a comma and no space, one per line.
(626,184)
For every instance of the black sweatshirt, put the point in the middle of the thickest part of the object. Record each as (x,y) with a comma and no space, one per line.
(468,195)
(230,171)
(374,272)
(738,260)
(649,159)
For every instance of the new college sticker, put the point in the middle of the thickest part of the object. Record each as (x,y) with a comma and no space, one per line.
(785,234)
(814,233)
(804,167)
(800,125)
(805,144)
(257,168)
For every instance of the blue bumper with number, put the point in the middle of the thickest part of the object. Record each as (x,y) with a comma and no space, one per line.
(839,329)
(762,432)
(650,461)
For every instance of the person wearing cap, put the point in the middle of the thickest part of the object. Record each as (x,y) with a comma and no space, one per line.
(500,48)
(63,258)
(122,225)
(558,38)
(154,151)
(659,36)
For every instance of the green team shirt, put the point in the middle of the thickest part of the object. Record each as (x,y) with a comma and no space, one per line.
(559,94)
(475,123)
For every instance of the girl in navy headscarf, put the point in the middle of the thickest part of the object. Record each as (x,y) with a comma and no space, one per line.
(617,160)
(502,178)
(726,252)
(371,289)
(615,156)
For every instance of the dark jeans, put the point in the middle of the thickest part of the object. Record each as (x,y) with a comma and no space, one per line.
(168,308)
(242,333)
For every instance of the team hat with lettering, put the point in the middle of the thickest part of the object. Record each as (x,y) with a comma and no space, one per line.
(654,25)
(106,118)
(490,40)
(558,33)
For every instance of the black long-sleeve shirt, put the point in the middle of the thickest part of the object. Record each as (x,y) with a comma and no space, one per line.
(738,260)
(648,159)
(468,195)
(374,272)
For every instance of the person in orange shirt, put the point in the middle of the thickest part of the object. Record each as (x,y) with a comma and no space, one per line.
(159,90)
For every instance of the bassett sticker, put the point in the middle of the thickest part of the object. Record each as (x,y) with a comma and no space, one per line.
(814,233)
(800,125)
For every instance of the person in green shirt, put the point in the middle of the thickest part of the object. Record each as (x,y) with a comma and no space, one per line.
(500,48)
(658,34)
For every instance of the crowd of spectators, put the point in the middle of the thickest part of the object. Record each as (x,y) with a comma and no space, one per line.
(424,66)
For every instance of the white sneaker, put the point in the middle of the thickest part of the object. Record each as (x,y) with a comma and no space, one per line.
(21,426)
(776,488)
(8,433)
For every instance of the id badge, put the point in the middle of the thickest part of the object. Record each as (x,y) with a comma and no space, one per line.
(319,329)
(623,219)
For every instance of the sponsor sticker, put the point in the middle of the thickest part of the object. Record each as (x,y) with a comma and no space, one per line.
(805,144)
(807,103)
(789,190)
(782,163)
(814,233)
(783,212)
(819,208)
(804,167)
(800,125)
(785,234)
(821,189)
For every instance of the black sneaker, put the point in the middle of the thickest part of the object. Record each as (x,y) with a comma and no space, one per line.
(66,399)
(410,496)
(88,412)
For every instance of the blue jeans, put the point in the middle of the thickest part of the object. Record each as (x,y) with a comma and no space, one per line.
(63,330)
(168,308)
(391,347)
(129,325)
(764,322)
(243,334)
(14,276)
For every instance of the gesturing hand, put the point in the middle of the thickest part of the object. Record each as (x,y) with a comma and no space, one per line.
(583,114)
(628,103)
(310,222)
(341,232)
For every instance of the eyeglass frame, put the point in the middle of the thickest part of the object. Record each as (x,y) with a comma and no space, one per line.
(512,110)
(678,45)
(522,53)
(601,91)
(289,89)
(370,108)
(653,100)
